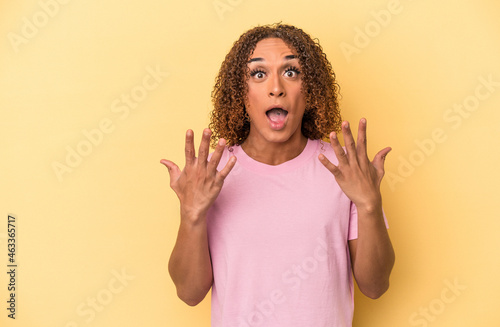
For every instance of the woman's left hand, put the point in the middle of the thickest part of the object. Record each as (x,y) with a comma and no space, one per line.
(358,177)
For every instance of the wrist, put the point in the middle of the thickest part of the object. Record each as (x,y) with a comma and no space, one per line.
(370,207)
(192,216)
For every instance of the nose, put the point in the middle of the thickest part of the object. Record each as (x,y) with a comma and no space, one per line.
(276,88)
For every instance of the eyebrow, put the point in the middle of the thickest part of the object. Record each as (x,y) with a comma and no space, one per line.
(289,57)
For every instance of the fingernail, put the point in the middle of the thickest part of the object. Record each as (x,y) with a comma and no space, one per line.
(363,121)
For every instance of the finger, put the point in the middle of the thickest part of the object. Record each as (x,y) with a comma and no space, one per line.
(173,170)
(204,147)
(331,167)
(337,148)
(215,159)
(361,142)
(189,148)
(379,160)
(350,145)
(221,176)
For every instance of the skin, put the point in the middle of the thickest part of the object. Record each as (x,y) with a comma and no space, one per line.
(276,84)
(199,183)
(372,254)
(197,186)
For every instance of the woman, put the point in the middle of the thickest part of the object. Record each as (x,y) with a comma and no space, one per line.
(275,220)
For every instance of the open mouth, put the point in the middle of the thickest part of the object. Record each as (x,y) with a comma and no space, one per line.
(277,115)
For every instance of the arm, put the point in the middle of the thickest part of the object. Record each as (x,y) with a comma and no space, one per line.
(372,255)
(190,266)
(197,186)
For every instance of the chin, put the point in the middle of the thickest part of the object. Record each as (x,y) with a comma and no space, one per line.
(281,136)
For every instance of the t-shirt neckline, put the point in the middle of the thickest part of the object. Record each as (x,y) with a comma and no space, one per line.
(251,164)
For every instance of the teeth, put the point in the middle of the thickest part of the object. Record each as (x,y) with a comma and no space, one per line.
(278,110)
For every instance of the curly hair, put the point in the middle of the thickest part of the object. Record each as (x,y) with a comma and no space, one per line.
(229,119)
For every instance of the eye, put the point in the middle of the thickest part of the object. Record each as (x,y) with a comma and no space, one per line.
(257,73)
(292,72)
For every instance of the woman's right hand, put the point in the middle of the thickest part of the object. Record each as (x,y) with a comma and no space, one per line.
(199,183)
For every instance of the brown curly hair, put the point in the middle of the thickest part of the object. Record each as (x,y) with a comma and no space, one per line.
(229,119)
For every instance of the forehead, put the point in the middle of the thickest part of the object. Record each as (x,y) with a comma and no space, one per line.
(271,48)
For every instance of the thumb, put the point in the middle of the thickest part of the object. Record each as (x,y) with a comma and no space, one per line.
(173,169)
(379,159)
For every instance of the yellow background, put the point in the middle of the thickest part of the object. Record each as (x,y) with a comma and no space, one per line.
(114,212)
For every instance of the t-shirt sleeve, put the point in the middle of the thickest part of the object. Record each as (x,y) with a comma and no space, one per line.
(353,222)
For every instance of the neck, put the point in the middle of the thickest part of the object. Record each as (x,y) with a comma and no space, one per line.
(274,153)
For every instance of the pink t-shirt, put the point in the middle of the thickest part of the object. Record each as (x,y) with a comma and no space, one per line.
(278,238)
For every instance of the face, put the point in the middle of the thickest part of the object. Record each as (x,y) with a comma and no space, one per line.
(275,102)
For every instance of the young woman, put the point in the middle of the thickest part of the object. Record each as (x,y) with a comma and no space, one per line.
(275,220)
